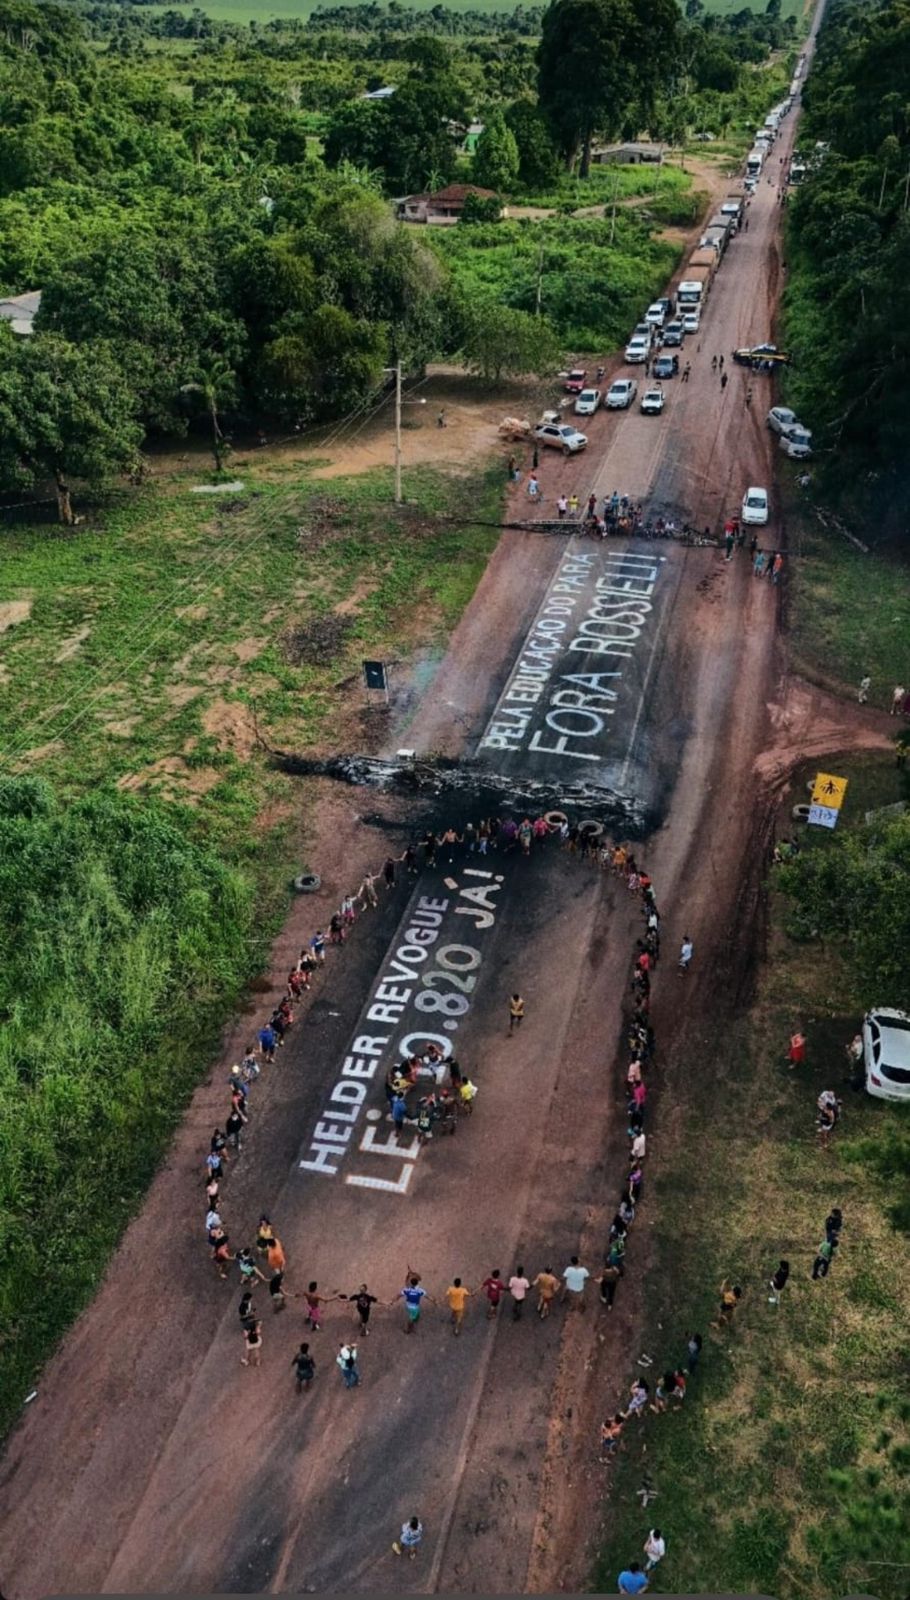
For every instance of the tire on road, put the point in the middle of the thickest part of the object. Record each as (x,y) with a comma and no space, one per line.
(593,829)
(554,820)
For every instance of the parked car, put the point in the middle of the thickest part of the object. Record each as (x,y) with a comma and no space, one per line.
(673,335)
(575,381)
(561,436)
(621,394)
(886,1054)
(692,321)
(782,420)
(665,367)
(761,357)
(797,444)
(638,349)
(656,314)
(643,330)
(755,507)
(652,401)
(668,303)
(587,402)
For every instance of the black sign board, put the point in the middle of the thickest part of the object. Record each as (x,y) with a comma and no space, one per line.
(374,675)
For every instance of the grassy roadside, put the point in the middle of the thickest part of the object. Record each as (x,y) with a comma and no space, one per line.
(145,643)
(786,1471)
(849,612)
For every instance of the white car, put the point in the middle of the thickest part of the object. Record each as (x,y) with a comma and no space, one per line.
(691,321)
(655,315)
(638,349)
(587,402)
(797,444)
(755,507)
(621,394)
(561,436)
(782,420)
(886,1054)
(652,402)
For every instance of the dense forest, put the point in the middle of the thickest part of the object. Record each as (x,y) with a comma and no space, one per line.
(205,206)
(849,260)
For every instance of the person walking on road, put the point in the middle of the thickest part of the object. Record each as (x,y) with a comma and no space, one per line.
(252,1341)
(685,372)
(713,363)
(546,1283)
(609,1278)
(413,1295)
(304,1368)
(314,1303)
(363,1303)
(723,380)
(346,1360)
(516,1013)
(686,951)
(494,1289)
(518,1289)
(574,1283)
(457,1297)
(865,684)
(410,1539)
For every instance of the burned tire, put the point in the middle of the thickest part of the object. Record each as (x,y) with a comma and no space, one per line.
(592,830)
(554,820)
(307,883)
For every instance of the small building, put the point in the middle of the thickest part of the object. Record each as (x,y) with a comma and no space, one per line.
(442,208)
(20,311)
(630,154)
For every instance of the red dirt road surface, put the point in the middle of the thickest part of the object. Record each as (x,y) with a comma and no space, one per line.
(152,1460)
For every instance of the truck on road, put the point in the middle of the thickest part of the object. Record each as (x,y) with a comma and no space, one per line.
(693,291)
(754,163)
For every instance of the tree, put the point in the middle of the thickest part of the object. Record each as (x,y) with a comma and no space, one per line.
(216,386)
(538,164)
(66,411)
(600,63)
(317,365)
(499,340)
(496,157)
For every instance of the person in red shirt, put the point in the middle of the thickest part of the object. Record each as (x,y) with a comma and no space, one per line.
(796,1054)
(494,1289)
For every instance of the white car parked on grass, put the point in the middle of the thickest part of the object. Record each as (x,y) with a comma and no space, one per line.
(886,1054)
(755,507)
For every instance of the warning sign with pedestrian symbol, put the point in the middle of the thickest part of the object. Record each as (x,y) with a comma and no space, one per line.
(829,791)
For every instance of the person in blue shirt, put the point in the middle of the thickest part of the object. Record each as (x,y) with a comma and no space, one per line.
(413,1296)
(632,1580)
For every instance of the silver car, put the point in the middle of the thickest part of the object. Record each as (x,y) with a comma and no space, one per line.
(560,436)
(621,394)
(886,1054)
(587,402)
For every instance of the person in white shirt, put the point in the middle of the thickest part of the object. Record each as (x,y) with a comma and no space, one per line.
(685,953)
(639,1144)
(655,1548)
(575,1278)
(518,1289)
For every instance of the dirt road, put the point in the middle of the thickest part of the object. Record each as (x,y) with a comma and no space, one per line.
(151,1460)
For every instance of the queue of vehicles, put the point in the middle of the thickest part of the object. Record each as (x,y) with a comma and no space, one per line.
(667,323)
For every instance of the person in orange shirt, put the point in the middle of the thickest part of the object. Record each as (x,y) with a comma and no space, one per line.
(457,1297)
(796,1054)
(546,1285)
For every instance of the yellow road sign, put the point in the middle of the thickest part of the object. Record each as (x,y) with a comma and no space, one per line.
(829,791)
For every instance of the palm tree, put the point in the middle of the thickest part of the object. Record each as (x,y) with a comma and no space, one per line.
(217,385)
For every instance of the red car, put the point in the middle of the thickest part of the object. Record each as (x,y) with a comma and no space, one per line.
(576,381)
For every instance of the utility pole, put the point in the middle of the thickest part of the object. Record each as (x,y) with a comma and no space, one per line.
(398,433)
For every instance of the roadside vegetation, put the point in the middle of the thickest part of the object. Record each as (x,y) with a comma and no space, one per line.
(786,1470)
(849,255)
